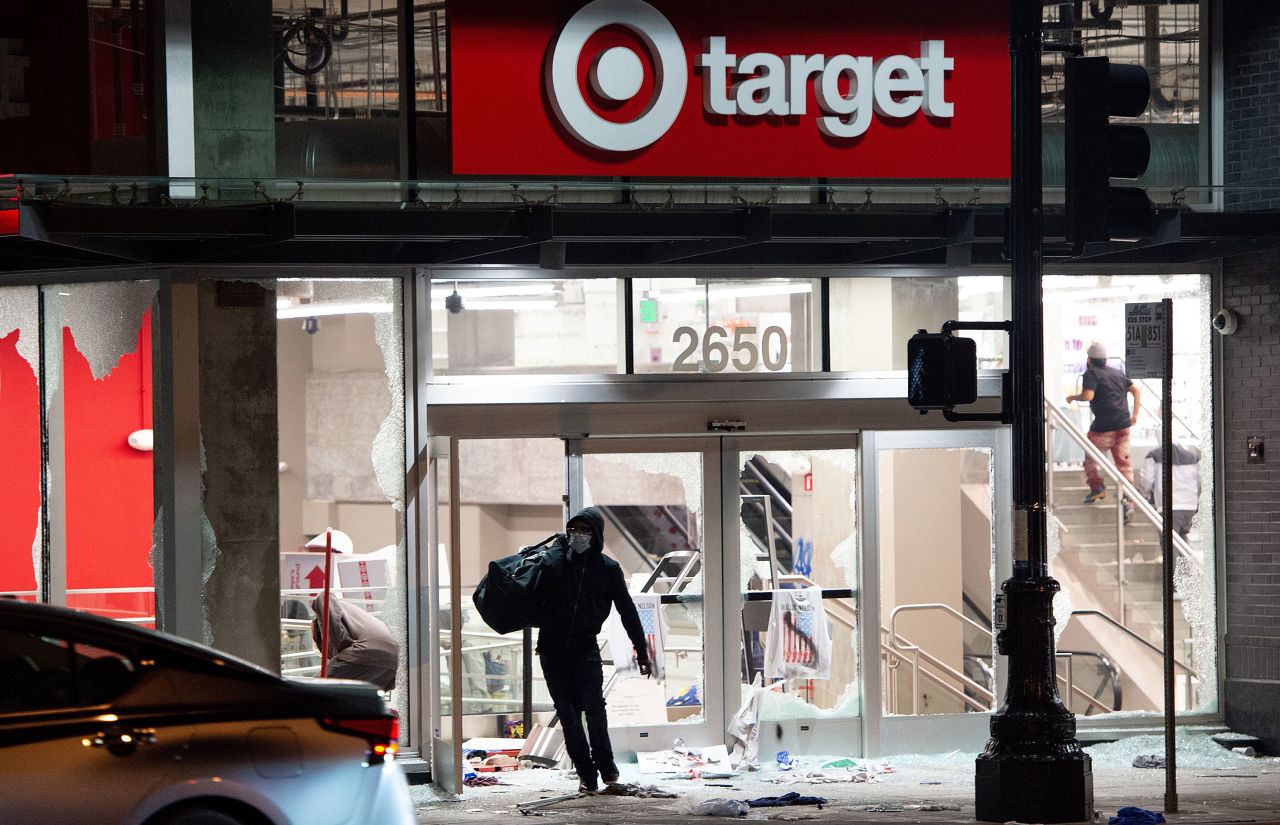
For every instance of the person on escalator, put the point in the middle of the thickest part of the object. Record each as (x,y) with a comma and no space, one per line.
(575,607)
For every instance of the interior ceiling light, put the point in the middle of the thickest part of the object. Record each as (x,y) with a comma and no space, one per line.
(320,308)
(698,293)
(515,290)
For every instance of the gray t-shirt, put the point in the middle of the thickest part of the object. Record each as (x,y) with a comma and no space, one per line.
(1110,402)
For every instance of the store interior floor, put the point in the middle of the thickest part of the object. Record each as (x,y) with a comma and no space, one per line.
(1215,785)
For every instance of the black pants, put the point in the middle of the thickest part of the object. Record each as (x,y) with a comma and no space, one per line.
(577,690)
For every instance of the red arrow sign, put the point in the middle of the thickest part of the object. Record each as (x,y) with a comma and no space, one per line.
(315,578)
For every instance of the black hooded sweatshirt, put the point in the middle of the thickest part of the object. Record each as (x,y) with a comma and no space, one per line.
(577,603)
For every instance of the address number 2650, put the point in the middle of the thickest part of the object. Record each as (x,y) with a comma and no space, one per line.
(739,351)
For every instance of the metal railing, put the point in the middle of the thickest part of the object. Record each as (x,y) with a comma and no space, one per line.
(1112,672)
(926,665)
(1188,673)
(34,595)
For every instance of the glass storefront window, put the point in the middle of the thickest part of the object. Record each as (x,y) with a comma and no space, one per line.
(20,517)
(525,327)
(340,403)
(936,513)
(652,503)
(873,318)
(1108,562)
(701,325)
(798,530)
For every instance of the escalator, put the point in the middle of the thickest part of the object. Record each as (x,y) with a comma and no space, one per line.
(766,500)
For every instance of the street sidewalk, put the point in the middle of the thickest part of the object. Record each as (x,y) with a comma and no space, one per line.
(1214,784)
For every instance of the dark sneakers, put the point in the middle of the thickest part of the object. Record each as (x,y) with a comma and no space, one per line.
(1095,495)
(609,775)
(587,790)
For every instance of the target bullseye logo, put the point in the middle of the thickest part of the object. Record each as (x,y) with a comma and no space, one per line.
(617,74)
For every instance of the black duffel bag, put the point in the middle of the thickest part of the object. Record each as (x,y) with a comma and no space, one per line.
(508,596)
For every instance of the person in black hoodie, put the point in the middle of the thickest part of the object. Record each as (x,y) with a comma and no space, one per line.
(575,607)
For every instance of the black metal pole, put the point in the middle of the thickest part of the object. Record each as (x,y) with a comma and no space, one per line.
(1033,769)
(1170,559)
(526,681)
(407,65)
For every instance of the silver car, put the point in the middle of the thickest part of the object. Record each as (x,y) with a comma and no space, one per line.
(101,722)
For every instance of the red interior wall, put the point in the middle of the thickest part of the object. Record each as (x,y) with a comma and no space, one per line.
(108,483)
(20,476)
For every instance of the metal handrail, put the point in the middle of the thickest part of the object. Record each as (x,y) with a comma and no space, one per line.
(1055,416)
(917,653)
(1117,693)
(946,608)
(896,652)
(1186,668)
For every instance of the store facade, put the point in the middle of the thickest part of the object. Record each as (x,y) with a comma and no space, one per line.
(444,371)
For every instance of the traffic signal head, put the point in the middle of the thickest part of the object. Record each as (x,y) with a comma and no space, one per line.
(1098,150)
(942,371)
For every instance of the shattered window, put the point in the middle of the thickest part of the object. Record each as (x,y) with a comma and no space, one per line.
(798,531)
(340,362)
(652,503)
(935,513)
(1106,524)
(20,525)
(98,383)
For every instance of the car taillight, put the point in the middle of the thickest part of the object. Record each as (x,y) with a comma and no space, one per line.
(382,733)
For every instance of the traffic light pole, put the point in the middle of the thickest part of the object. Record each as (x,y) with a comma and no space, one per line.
(1033,769)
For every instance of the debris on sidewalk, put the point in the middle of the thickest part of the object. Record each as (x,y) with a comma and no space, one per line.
(636,789)
(477,781)
(1148,760)
(883,809)
(786,801)
(719,806)
(683,762)
(1133,815)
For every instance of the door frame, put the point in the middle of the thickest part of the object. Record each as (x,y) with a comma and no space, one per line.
(721,465)
(932,733)
(715,715)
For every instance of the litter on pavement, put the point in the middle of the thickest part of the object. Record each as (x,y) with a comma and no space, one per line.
(786,801)
(1134,815)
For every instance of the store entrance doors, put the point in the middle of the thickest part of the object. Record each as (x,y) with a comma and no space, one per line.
(937,544)
(885,544)
(716,526)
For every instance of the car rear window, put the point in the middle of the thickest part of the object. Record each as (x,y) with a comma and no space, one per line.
(39,672)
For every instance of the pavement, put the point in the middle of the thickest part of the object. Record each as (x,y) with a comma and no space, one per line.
(1215,786)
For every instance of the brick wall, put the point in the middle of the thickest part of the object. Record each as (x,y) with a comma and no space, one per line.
(1251,80)
(1251,407)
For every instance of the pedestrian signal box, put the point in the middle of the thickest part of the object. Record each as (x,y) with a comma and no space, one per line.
(942,371)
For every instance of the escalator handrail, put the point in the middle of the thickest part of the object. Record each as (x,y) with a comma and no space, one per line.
(1135,637)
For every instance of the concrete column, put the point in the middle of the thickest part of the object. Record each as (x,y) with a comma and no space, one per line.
(239,433)
(233,108)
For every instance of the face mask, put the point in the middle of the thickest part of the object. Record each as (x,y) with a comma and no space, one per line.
(579,542)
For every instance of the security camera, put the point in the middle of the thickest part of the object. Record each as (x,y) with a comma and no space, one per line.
(1226,321)
(453,303)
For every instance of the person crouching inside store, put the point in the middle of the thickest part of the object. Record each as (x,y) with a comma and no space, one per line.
(360,644)
(574,608)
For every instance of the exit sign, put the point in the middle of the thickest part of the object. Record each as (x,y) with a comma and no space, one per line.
(649,311)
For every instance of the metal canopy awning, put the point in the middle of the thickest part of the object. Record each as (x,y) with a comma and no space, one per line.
(58,234)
